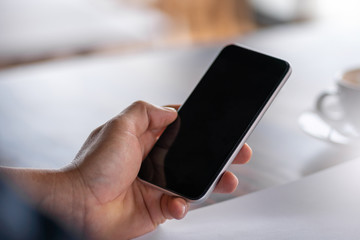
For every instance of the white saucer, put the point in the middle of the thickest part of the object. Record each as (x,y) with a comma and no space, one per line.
(316,126)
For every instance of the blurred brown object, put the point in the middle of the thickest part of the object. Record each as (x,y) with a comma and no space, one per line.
(207,20)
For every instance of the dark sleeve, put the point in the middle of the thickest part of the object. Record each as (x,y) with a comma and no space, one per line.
(19,220)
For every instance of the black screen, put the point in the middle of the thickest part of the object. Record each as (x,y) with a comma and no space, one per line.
(212,122)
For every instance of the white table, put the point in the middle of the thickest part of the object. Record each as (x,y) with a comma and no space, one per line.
(48,109)
(324,205)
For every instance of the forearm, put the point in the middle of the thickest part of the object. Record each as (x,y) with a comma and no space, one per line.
(52,191)
(37,186)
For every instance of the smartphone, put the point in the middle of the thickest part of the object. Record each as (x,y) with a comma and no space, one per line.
(214,122)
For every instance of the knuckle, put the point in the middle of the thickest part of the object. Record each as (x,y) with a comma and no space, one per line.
(95,132)
(119,122)
(140,104)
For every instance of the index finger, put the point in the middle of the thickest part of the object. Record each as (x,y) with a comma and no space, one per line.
(244,155)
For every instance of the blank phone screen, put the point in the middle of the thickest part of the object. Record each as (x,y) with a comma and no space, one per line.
(193,150)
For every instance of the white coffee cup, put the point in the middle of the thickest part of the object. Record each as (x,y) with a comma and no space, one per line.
(346,97)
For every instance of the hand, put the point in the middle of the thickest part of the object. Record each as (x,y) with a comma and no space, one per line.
(118,204)
(100,193)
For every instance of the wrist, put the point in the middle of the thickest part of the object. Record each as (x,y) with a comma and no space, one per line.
(56,192)
(67,200)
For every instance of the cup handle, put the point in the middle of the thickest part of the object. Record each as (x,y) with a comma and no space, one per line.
(320,108)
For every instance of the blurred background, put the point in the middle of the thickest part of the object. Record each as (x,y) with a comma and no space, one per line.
(38,30)
(67,66)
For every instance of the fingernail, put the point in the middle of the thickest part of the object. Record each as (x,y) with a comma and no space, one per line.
(184,210)
(171,109)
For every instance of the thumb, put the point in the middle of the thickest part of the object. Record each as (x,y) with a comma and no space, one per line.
(144,116)
(146,121)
